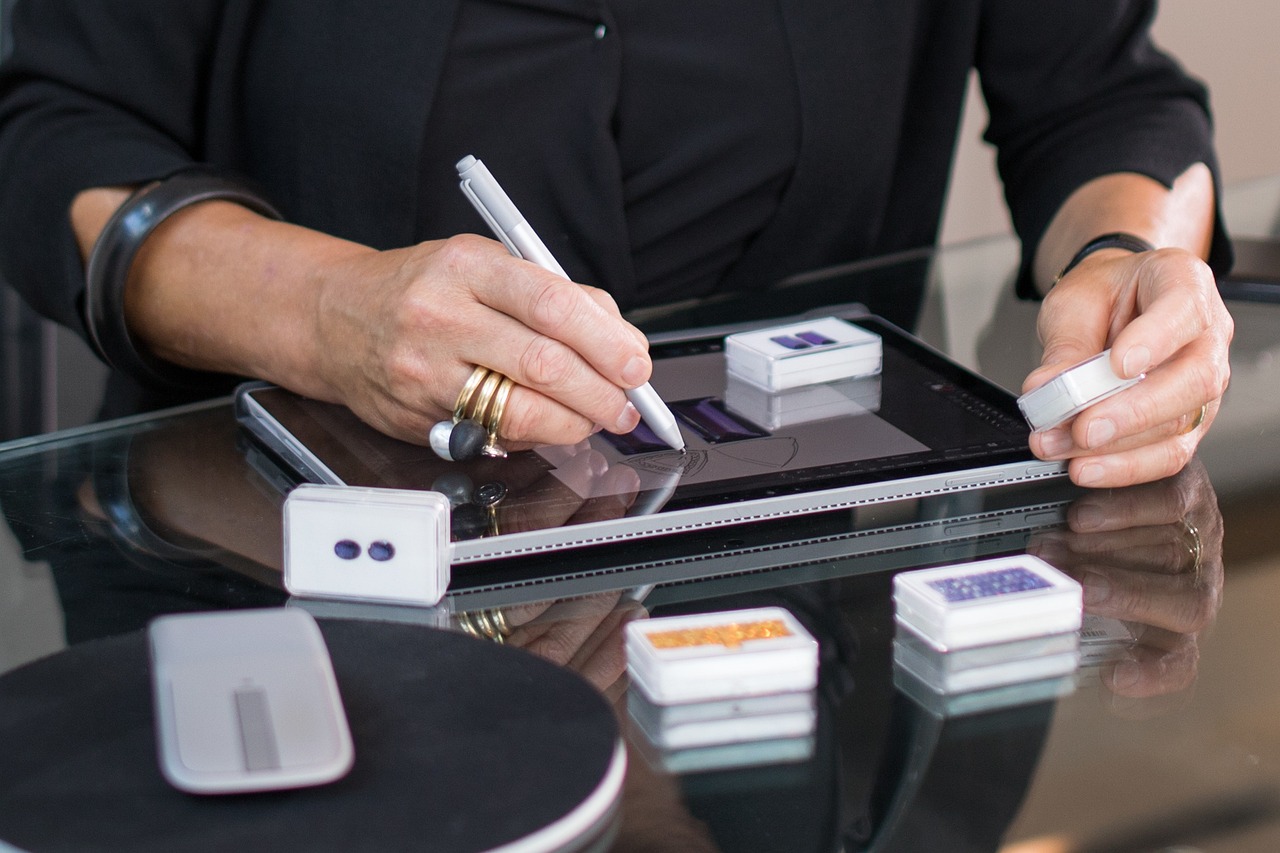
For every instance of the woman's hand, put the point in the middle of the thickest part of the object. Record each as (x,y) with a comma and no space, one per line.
(1161,315)
(394,335)
(1158,311)
(400,331)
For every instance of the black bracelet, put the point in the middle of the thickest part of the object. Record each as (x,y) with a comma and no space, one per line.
(112,257)
(1114,240)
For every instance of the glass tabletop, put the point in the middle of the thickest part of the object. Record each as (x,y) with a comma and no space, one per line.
(1164,737)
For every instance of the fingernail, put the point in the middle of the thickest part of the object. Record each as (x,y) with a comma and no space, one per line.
(636,371)
(1100,432)
(1125,674)
(1089,516)
(1090,475)
(1055,442)
(1136,360)
(629,418)
(1097,588)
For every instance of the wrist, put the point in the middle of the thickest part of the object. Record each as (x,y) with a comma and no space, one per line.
(1112,243)
(111,266)
(220,288)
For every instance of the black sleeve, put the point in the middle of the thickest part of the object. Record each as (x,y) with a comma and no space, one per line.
(1076,89)
(95,93)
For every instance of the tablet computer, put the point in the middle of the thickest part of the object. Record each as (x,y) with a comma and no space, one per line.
(923,425)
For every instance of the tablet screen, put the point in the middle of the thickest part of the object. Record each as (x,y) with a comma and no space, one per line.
(750,453)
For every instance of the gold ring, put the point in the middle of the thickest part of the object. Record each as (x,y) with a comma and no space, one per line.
(486,625)
(1197,421)
(468,390)
(500,621)
(481,400)
(1195,548)
(493,417)
(465,623)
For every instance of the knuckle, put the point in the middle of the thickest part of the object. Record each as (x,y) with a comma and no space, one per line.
(546,363)
(1191,612)
(1209,378)
(556,646)
(602,298)
(456,253)
(1177,454)
(554,303)
(401,366)
(1146,413)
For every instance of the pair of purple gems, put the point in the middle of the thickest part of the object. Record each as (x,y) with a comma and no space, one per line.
(802,340)
(349,549)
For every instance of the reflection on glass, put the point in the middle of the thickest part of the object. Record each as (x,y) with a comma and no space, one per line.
(1150,560)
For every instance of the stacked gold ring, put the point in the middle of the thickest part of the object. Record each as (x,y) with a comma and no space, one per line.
(468,391)
(489,624)
(483,399)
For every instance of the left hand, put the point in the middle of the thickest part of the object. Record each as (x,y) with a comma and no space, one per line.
(1161,315)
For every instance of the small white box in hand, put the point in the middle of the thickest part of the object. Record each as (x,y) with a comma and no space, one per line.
(804,353)
(1072,391)
(379,545)
(707,656)
(987,601)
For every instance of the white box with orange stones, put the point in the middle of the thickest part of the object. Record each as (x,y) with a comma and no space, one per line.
(732,654)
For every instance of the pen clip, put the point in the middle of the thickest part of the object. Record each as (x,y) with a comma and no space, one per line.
(489,219)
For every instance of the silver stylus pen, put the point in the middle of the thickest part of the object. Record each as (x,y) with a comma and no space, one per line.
(506,222)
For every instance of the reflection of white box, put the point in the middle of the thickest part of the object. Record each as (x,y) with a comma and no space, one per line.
(1012,695)
(987,601)
(774,410)
(721,655)
(804,353)
(984,667)
(728,756)
(695,724)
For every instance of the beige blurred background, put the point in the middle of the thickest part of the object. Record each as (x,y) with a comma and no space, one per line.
(1229,44)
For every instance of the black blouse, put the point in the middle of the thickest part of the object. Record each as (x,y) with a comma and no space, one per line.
(697,146)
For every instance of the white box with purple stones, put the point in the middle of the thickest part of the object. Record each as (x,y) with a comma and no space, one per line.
(803,353)
(987,601)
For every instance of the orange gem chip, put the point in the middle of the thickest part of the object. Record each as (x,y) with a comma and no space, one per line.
(730,636)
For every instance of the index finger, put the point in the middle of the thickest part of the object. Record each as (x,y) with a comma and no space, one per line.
(1073,324)
(1176,303)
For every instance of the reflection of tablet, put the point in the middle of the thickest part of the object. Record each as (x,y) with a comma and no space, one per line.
(931,427)
(736,560)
